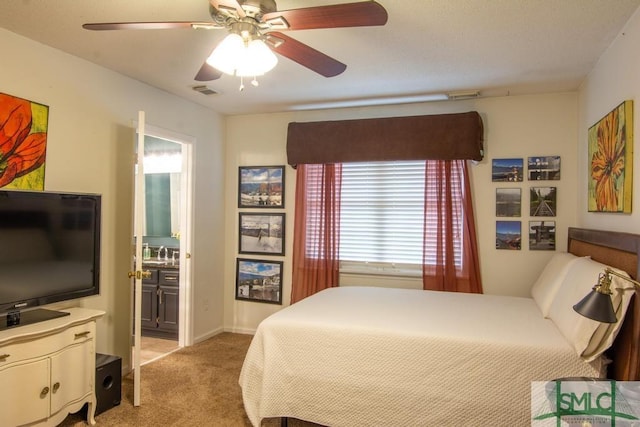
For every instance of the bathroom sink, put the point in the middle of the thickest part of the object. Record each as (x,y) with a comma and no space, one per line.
(158,262)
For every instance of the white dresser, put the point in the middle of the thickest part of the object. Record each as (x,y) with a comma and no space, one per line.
(47,369)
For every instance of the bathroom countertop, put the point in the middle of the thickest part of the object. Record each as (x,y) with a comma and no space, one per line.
(161,265)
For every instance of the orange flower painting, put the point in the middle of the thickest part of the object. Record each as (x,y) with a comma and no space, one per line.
(23,143)
(611,160)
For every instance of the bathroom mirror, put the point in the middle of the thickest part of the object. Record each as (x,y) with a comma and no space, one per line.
(162,170)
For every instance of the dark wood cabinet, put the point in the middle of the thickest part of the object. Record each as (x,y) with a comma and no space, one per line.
(160,304)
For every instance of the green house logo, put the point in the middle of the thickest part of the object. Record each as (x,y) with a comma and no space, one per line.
(587,403)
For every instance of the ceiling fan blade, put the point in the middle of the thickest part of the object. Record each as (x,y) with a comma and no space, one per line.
(304,55)
(147,25)
(366,13)
(227,6)
(207,73)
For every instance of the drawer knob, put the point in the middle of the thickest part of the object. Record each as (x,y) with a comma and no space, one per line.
(4,357)
(56,387)
(44,392)
(82,334)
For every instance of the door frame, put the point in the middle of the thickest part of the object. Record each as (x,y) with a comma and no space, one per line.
(185,329)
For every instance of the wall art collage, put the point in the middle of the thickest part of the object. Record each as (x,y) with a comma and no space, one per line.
(541,196)
(260,233)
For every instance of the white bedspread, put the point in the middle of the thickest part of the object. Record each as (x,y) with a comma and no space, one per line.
(361,356)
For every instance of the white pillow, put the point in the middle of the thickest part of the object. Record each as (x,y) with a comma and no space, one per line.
(588,337)
(546,286)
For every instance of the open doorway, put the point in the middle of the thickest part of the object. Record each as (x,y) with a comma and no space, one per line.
(166,213)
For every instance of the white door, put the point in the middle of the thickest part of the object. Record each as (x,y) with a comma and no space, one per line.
(137,274)
(185,335)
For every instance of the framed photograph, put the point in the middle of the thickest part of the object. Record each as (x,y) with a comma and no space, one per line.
(546,168)
(261,233)
(507,170)
(611,161)
(508,235)
(542,235)
(261,187)
(508,201)
(259,280)
(542,201)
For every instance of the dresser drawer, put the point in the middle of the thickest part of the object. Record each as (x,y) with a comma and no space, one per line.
(20,351)
(169,277)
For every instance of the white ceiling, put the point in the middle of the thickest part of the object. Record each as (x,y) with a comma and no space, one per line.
(499,47)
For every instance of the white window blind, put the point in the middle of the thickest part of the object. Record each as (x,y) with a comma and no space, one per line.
(382,215)
(382,211)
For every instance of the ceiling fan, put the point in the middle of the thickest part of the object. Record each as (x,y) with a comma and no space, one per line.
(260,20)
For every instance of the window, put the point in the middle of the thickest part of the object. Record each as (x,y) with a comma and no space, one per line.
(382,217)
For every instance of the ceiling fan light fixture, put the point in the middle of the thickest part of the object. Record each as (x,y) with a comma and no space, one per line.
(257,60)
(243,53)
(226,55)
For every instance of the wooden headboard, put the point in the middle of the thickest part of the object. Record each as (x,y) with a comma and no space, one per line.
(619,250)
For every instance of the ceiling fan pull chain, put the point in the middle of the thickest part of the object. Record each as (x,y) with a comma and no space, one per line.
(241,84)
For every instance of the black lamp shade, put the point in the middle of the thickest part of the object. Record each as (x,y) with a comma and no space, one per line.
(596,306)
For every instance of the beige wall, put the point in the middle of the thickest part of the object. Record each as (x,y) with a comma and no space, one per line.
(614,79)
(90,147)
(91,110)
(514,127)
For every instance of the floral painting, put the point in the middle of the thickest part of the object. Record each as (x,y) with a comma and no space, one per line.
(611,160)
(23,143)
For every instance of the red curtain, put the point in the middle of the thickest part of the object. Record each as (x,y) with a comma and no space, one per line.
(449,212)
(316,229)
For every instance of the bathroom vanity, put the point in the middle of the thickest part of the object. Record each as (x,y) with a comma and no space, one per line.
(160,300)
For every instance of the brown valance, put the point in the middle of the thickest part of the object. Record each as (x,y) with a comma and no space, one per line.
(434,137)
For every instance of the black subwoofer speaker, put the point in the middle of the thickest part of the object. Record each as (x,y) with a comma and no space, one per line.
(108,382)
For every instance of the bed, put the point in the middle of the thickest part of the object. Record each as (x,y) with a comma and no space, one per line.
(359,356)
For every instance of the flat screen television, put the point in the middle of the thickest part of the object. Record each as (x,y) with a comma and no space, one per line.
(49,252)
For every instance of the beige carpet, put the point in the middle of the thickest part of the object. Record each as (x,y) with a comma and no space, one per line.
(195,386)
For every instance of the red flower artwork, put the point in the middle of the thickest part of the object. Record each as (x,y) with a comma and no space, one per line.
(21,151)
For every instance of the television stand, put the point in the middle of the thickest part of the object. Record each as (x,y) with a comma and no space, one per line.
(48,370)
(21,318)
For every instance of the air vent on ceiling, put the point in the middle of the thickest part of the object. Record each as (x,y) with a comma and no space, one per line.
(204,90)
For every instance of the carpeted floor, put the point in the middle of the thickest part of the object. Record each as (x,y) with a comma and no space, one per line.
(195,386)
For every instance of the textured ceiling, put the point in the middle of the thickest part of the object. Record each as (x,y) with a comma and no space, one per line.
(427,46)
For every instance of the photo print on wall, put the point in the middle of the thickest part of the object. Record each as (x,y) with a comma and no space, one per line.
(508,202)
(261,187)
(543,168)
(259,280)
(542,201)
(508,235)
(542,235)
(261,233)
(507,170)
